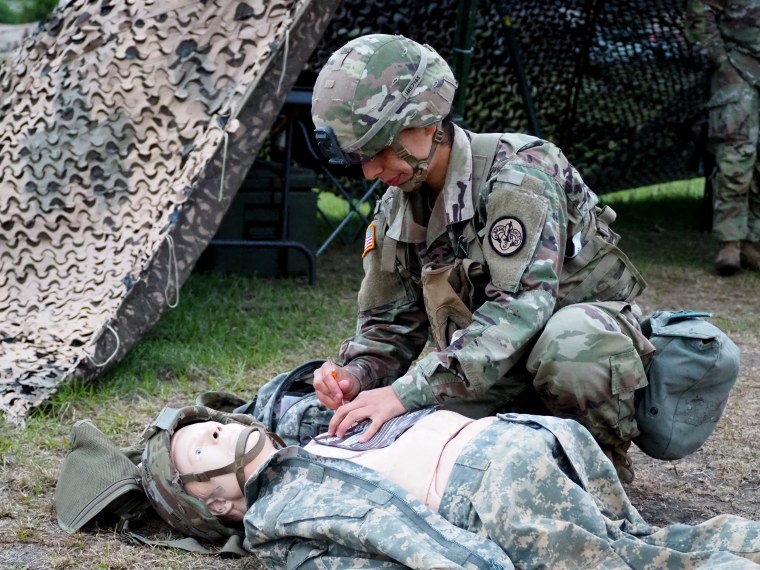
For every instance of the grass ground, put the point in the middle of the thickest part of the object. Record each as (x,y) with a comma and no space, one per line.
(234,333)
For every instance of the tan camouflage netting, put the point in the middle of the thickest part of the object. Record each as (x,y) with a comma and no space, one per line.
(125,130)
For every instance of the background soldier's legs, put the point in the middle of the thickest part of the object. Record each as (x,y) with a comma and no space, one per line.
(750,255)
(734,127)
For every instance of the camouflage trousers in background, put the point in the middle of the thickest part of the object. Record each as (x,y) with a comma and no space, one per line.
(734,135)
(543,490)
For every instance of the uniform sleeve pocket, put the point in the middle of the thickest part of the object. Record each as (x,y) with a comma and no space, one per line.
(381,288)
(515,221)
(627,372)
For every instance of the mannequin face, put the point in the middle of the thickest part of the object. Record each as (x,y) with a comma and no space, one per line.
(208,445)
(391,169)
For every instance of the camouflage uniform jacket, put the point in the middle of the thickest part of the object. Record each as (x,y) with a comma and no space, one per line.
(724,30)
(307,511)
(538,487)
(531,242)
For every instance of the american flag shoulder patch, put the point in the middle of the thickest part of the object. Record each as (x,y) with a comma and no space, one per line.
(369,239)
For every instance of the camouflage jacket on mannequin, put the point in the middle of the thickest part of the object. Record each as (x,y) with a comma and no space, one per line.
(547,499)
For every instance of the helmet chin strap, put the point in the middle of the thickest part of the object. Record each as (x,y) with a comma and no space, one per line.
(419,166)
(242,458)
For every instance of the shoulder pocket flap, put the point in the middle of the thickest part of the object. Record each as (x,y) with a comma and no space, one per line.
(474,463)
(304,551)
(627,372)
(521,180)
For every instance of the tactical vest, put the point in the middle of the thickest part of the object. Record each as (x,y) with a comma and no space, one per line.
(595,269)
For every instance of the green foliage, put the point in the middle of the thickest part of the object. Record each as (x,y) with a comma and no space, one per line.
(26,11)
(677,206)
(335,211)
(7,14)
(35,10)
(662,224)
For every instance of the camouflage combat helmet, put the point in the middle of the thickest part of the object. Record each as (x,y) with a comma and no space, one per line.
(164,486)
(374,87)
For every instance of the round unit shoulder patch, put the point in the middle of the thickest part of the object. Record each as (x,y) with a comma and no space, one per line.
(507,235)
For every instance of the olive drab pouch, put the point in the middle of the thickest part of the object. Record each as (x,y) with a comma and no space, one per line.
(595,268)
(99,481)
(288,406)
(693,370)
(448,294)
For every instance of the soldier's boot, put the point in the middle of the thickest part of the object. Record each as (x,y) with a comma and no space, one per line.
(750,256)
(728,261)
(621,461)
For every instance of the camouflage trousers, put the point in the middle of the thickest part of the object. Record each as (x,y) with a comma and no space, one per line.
(587,364)
(734,135)
(544,491)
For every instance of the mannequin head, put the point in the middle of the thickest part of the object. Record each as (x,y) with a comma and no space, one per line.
(207,446)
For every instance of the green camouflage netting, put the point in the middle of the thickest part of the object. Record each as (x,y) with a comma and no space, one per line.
(112,135)
(126,128)
(614,83)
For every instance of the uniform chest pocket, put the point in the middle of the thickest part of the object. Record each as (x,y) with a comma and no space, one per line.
(382,287)
(309,505)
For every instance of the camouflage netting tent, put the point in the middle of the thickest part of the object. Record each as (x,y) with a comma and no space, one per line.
(126,128)
(613,82)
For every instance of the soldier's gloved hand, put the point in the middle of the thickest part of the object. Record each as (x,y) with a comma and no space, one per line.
(335,385)
(379,405)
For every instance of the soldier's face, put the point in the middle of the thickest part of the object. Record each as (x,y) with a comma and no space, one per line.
(391,169)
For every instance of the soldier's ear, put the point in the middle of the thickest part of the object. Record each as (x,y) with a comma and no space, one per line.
(219,507)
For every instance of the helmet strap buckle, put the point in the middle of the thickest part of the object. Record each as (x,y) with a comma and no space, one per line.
(419,166)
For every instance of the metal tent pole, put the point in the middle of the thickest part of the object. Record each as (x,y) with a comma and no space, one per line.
(463,41)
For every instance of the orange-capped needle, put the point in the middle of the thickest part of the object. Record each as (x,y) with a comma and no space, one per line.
(334,374)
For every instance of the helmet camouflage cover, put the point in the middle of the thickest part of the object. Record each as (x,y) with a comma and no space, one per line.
(182,511)
(377,85)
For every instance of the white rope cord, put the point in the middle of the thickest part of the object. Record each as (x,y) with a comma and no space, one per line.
(284,60)
(224,165)
(113,354)
(172,265)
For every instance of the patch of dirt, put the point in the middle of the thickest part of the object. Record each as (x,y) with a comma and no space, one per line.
(723,476)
